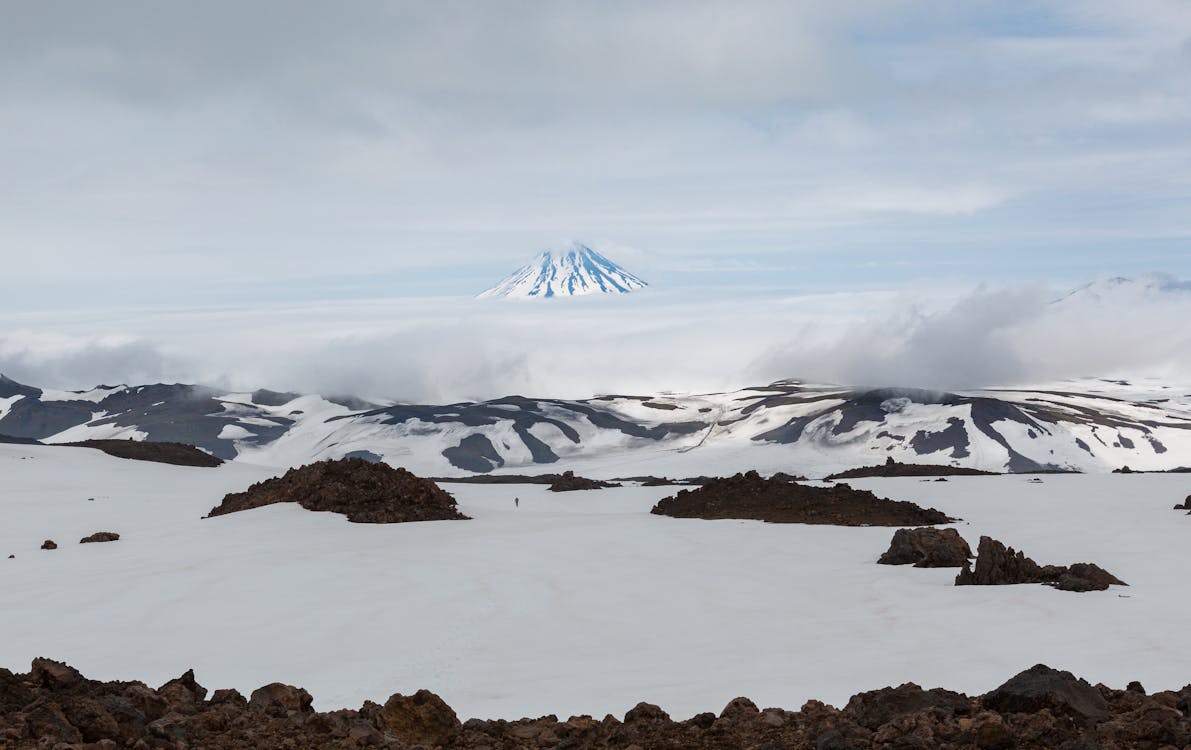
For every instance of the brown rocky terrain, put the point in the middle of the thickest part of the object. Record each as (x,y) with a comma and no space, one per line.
(927,548)
(750,496)
(364,491)
(178,454)
(53,706)
(998,565)
(893,468)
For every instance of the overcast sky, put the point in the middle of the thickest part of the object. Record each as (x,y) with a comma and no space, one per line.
(226,153)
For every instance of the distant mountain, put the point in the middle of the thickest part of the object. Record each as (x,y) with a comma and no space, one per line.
(1085,425)
(573,271)
(1147,286)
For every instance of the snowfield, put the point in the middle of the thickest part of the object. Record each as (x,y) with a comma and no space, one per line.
(572,603)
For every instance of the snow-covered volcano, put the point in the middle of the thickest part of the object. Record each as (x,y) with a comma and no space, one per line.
(573,271)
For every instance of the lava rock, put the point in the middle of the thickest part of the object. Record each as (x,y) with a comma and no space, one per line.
(1041,687)
(750,496)
(364,491)
(927,548)
(568,482)
(49,544)
(100,536)
(998,565)
(421,718)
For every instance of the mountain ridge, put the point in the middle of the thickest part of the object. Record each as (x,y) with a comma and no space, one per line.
(811,429)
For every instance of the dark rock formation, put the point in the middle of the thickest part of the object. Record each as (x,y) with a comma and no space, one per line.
(568,482)
(1041,687)
(100,536)
(1186,504)
(178,454)
(893,468)
(53,706)
(750,496)
(927,548)
(364,491)
(49,544)
(998,565)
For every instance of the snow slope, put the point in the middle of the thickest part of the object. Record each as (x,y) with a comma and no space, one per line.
(573,603)
(573,271)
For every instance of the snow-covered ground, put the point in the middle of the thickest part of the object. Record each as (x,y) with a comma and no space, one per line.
(573,603)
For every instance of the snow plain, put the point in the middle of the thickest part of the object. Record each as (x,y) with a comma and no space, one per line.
(574,603)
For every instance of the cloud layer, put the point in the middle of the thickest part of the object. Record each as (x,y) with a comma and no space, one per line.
(450,349)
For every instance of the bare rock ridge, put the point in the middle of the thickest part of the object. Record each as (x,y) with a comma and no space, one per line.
(178,454)
(927,548)
(54,706)
(892,468)
(750,496)
(568,482)
(998,565)
(364,491)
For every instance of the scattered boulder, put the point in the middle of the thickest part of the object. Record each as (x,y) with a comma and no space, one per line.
(421,718)
(998,565)
(49,544)
(100,536)
(279,699)
(1186,504)
(364,491)
(568,482)
(750,496)
(927,548)
(1041,687)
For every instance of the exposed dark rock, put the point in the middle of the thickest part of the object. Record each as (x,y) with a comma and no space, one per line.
(49,544)
(893,468)
(927,548)
(421,718)
(364,491)
(1041,687)
(100,536)
(177,454)
(53,706)
(879,707)
(1186,504)
(998,565)
(750,496)
(568,482)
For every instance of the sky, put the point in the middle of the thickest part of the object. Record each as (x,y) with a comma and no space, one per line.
(284,167)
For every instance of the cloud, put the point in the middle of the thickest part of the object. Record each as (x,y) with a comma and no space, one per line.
(441,350)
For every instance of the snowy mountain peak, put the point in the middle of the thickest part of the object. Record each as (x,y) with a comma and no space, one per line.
(573,271)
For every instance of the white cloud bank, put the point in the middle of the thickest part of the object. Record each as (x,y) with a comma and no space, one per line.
(452,349)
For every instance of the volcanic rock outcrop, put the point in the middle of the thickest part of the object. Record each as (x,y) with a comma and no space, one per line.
(568,482)
(364,491)
(998,565)
(178,454)
(100,536)
(750,496)
(927,548)
(893,468)
(54,706)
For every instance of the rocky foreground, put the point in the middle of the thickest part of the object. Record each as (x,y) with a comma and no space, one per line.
(54,706)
